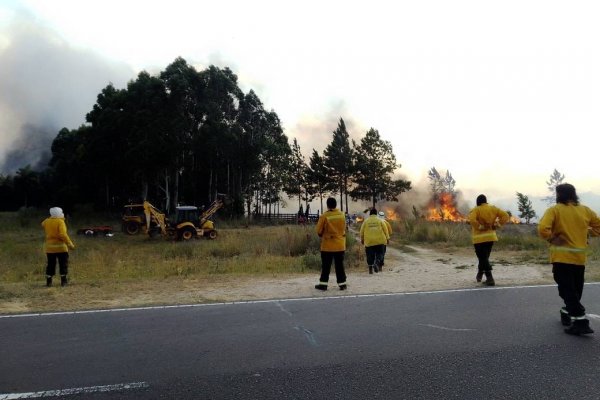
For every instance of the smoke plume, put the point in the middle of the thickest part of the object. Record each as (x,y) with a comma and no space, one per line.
(45,85)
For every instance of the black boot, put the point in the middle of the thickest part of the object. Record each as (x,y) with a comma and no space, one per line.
(579,327)
(320,286)
(48,281)
(63,280)
(565,319)
(479,276)
(489,279)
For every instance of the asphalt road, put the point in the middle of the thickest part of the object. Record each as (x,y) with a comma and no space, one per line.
(489,343)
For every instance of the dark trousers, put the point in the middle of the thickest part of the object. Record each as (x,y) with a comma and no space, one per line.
(375,255)
(570,278)
(327,258)
(63,263)
(483,251)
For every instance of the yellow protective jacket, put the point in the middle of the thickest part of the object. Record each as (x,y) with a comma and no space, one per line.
(331,228)
(374,231)
(484,220)
(389,227)
(568,226)
(57,238)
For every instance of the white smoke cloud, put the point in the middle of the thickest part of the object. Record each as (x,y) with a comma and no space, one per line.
(45,85)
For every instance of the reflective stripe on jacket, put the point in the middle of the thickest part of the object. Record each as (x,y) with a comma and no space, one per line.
(571,223)
(57,238)
(373,231)
(484,220)
(331,228)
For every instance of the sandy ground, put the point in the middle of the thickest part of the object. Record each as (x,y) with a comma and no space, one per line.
(411,270)
(418,270)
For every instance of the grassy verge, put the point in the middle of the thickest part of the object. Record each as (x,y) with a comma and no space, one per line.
(154,271)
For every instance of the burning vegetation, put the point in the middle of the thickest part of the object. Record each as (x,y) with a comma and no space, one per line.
(444,208)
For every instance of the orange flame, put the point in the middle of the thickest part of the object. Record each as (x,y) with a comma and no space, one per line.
(391,215)
(445,210)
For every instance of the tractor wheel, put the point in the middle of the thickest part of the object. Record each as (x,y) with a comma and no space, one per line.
(132,228)
(187,233)
(212,234)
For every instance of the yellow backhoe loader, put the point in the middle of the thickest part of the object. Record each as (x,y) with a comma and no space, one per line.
(188,222)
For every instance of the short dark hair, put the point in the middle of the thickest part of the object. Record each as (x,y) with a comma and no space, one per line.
(331,202)
(566,193)
(373,211)
(481,199)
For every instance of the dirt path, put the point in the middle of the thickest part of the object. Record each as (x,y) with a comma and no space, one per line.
(419,269)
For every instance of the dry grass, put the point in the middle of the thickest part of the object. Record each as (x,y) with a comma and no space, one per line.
(135,270)
(102,268)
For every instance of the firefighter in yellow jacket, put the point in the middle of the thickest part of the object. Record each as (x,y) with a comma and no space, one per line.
(331,228)
(484,220)
(389,229)
(375,236)
(566,227)
(57,245)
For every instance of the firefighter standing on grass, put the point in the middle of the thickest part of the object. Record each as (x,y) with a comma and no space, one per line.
(331,228)
(566,227)
(57,245)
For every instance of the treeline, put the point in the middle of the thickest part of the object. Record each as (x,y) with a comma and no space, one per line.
(184,136)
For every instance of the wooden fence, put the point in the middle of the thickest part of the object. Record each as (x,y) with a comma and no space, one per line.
(287,218)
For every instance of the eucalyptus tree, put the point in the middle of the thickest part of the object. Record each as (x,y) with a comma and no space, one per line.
(151,145)
(26,185)
(106,143)
(339,156)
(215,145)
(436,183)
(296,174)
(374,167)
(318,180)
(69,170)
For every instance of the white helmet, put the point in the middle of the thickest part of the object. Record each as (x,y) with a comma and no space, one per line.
(381,214)
(56,212)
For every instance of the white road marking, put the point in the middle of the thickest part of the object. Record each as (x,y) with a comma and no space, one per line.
(72,391)
(283,309)
(593,316)
(347,296)
(447,329)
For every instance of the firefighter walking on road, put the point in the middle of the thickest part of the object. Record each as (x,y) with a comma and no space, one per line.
(331,228)
(566,226)
(484,220)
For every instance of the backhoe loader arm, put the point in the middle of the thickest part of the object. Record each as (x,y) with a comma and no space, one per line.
(151,211)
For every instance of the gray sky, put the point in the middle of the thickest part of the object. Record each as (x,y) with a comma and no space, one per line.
(499,93)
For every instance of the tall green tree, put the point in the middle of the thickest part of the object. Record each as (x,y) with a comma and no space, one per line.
(318,177)
(339,157)
(27,185)
(296,174)
(525,208)
(374,168)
